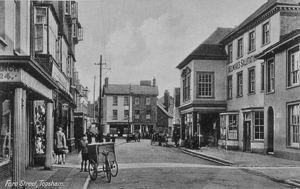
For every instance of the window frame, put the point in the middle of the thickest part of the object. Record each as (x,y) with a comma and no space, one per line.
(126,100)
(206,85)
(251,41)
(266,37)
(293,50)
(137,114)
(240,47)
(229,89)
(126,116)
(251,83)
(136,100)
(258,128)
(115,115)
(239,86)
(270,81)
(230,52)
(148,101)
(290,134)
(115,100)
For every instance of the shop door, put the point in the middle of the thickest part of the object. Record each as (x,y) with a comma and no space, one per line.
(247,136)
(270,149)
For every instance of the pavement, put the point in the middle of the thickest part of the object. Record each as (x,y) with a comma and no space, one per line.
(274,168)
(69,175)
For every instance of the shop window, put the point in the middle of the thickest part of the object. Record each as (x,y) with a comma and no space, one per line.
(148,101)
(293,127)
(293,66)
(251,80)
(230,53)
(266,33)
(229,87)
(240,84)
(115,101)
(240,48)
(115,115)
(233,127)
(6,132)
(126,100)
(258,125)
(205,84)
(223,127)
(251,42)
(270,75)
(39,128)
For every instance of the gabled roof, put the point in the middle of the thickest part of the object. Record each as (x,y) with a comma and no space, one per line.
(210,49)
(163,110)
(261,10)
(119,89)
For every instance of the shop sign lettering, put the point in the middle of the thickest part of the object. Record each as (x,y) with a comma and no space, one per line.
(9,74)
(241,63)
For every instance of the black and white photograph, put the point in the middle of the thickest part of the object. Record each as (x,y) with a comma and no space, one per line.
(150,94)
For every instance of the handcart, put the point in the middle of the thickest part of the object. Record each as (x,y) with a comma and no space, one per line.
(102,158)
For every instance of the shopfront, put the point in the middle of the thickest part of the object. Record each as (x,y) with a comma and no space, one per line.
(26,128)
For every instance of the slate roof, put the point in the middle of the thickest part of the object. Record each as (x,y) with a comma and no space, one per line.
(209,49)
(295,34)
(261,10)
(119,89)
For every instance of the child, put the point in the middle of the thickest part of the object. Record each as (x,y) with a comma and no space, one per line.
(84,152)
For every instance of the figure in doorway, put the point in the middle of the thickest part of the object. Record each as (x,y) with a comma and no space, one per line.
(60,146)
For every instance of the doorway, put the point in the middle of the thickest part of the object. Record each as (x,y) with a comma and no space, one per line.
(270,148)
(247,136)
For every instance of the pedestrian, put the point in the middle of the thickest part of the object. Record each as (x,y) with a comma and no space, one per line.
(84,152)
(60,146)
(139,136)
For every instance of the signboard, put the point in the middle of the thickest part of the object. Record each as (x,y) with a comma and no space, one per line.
(241,63)
(9,74)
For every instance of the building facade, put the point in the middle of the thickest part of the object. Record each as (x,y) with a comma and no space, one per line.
(250,80)
(36,60)
(202,95)
(261,79)
(129,108)
(165,112)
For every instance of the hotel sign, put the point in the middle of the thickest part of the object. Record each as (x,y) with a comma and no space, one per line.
(9,74)
(241,63)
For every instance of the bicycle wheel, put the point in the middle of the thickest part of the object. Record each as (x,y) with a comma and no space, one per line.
(93,166)
(114,168)
(107,171)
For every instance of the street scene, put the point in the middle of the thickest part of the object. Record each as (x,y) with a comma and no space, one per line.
(149,94)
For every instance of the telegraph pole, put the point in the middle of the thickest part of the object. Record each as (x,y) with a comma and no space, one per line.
(100,129)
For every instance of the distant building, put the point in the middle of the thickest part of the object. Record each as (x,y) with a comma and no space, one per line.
(176,112)
(129,108)
(165,110)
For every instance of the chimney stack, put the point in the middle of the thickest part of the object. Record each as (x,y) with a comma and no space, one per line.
(154,82)
(106,81)
(166,99)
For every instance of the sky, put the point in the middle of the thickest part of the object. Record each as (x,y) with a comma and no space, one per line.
(146,39)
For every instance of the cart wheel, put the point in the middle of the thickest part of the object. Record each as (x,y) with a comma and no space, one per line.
(107,171)
(93,169)
(114,168)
